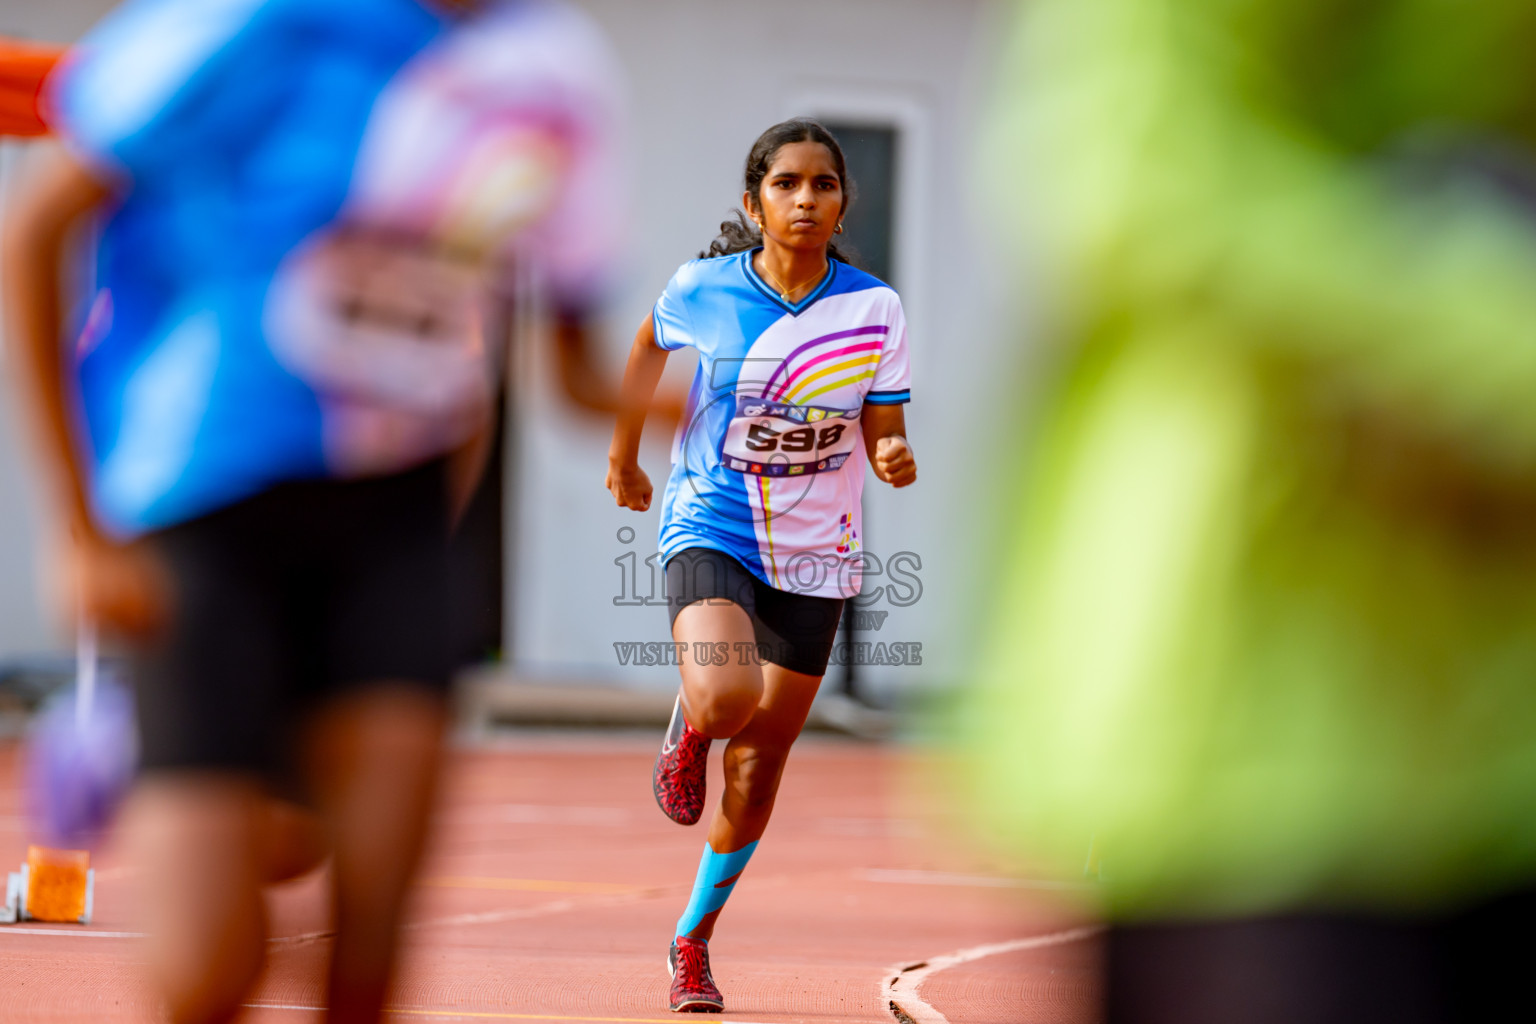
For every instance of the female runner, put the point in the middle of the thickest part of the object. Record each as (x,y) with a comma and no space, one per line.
(801,357)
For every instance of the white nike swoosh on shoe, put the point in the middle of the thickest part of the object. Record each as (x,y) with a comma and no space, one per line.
(674,735)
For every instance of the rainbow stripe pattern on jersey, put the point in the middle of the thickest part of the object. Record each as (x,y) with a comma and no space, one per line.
(768,465)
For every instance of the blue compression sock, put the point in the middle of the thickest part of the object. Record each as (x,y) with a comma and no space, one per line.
(713,884)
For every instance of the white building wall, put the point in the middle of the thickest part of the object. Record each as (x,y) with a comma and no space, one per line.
(707,77)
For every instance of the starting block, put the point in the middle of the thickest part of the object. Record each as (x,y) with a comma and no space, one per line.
(53,885)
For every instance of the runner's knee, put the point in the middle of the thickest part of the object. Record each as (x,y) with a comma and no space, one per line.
(721,703)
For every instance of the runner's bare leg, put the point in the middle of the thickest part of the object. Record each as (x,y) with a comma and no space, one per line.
(754,764)
(375,758)
(198,838)
(718,700)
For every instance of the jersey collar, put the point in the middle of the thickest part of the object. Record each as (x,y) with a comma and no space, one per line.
(796,308)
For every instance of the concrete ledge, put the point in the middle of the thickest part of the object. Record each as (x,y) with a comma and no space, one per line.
(488,699)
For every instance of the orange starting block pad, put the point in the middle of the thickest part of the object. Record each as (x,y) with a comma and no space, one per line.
(53,885)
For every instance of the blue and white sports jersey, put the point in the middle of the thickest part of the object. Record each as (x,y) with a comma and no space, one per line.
(768,465)
(316,200)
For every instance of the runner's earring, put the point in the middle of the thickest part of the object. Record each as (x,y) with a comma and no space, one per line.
(839,230)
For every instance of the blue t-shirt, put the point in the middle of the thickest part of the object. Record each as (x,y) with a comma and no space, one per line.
(316,198)
(768,465)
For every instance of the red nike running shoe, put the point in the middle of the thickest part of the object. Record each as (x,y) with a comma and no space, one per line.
(693,990)
(678,779)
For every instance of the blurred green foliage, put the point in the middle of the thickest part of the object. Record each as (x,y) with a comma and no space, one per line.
(1266,634)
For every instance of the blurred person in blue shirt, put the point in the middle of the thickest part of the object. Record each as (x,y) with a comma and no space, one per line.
(297,216)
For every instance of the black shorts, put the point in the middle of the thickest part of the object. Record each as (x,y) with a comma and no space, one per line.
(1327,967)
(282,601)
(795,631)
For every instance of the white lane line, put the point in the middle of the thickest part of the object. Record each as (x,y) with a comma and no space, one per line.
(482,1014)
(283,1006)
(536,814)
(525,884)
(301,939)
(899,877)
(487,917)
(543,909)
(878,827)
(498,916)
(83,933)
(899,989)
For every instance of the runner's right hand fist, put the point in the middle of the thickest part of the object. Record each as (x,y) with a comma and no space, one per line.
(630,487)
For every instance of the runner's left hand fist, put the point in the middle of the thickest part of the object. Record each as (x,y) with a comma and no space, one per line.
(893,461)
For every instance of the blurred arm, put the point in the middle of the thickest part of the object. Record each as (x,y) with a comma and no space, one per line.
(117,586)
(581,384)
(584,384)
(56,195)
(466,468)
(581,381)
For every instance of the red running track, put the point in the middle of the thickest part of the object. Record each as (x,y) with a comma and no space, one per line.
(553,883)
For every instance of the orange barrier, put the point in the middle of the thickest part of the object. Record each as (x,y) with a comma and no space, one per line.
(23,68)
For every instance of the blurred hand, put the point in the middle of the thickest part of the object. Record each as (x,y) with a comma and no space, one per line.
(123,588)
(465,470)
(893,461)
(630,487)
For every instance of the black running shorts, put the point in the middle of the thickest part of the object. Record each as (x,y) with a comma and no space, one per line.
(795,631)
(302,593)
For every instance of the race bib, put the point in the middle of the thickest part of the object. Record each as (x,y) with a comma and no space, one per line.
(387,333)
(775,439)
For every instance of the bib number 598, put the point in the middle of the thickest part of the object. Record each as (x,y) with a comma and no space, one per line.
(763,438)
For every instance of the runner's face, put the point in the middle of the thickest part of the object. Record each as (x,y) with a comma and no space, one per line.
(801,199)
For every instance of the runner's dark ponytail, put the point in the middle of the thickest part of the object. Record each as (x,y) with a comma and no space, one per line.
(740,234)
